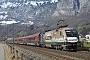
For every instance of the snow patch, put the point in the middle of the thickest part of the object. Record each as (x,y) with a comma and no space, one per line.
(7,22)
(27,23)
(54,1)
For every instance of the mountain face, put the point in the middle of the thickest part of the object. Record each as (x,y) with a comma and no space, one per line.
(44,14)
(68,7)
(29,10)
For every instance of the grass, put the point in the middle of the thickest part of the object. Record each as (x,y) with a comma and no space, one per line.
(86,45)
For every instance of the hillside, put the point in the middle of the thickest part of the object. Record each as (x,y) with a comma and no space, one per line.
(37,16)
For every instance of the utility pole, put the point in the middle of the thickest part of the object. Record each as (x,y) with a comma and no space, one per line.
(13,39)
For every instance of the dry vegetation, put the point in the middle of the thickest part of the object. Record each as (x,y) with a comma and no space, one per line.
(8,54)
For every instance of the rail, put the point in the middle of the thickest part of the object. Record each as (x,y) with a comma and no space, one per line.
(36,53)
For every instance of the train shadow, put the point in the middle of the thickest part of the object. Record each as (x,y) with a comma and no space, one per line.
(83,49)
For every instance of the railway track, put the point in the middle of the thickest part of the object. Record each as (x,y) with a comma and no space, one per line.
(61,55)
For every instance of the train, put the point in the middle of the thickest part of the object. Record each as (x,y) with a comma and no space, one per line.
(63,38)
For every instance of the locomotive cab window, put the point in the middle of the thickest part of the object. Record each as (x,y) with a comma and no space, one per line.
(71,33)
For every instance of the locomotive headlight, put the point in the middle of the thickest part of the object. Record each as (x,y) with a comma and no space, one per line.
(71,39)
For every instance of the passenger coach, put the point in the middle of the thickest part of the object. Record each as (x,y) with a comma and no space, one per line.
(62,38)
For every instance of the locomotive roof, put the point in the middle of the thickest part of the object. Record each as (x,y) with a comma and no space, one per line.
(65,28)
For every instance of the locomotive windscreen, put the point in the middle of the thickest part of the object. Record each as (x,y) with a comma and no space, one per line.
(71,33)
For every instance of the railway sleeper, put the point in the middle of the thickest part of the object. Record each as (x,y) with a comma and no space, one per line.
(60,47)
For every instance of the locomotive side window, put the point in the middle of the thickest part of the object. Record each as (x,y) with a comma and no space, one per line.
(61,34)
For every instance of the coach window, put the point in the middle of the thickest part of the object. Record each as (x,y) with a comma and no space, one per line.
(31,38)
